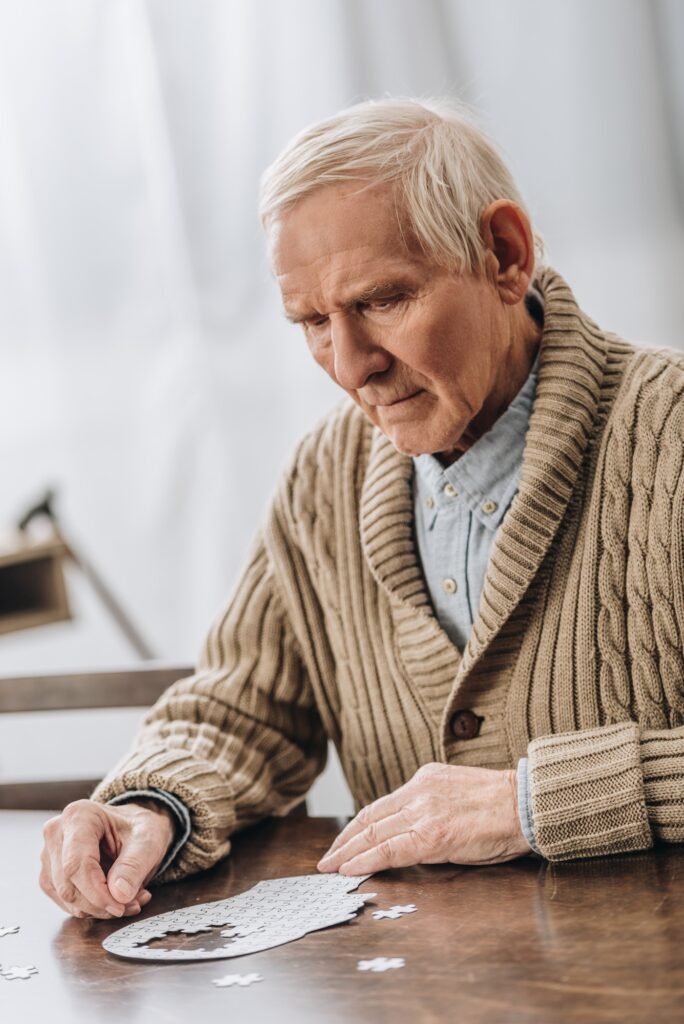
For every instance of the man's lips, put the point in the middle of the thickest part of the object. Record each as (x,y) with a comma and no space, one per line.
(396,401)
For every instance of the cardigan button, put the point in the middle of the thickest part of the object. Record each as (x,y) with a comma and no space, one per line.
(465,725)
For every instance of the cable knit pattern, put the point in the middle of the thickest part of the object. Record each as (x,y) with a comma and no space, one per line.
(574,660)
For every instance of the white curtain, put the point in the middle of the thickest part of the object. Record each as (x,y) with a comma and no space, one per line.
(146,371)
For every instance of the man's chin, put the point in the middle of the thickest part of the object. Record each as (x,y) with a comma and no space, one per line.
(404,441)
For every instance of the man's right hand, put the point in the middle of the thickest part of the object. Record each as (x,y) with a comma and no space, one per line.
(98,858)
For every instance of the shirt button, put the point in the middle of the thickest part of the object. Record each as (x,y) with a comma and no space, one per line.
(430,502)
(451,491)
(465,725)
(489,507)
(449,586)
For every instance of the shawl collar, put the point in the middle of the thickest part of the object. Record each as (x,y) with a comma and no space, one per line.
(572,364)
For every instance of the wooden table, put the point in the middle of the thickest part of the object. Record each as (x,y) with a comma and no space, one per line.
(596,941)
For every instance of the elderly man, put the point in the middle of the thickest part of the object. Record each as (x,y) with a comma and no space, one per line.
(470,578)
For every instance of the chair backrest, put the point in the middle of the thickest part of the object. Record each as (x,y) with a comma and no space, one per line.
(127,688)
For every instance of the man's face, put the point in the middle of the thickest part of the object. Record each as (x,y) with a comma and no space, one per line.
(420,349)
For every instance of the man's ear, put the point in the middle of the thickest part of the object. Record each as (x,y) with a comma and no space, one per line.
(509,249)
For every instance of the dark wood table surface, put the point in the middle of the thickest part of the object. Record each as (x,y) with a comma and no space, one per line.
(592,941)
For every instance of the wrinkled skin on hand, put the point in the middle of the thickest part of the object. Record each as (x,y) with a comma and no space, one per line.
(444,814)
(97,858)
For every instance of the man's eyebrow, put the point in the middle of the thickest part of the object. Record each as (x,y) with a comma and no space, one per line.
(297,318)
(373,291)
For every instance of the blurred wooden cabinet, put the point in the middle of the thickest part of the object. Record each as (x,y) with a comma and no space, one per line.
(32,589)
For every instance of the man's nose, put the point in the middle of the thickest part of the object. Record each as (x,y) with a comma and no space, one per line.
(357,355)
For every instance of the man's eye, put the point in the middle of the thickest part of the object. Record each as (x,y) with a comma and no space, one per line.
(316,327)
(382,305)
(315,322)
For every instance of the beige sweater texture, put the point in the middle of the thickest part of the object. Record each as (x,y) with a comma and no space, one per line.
(575,658)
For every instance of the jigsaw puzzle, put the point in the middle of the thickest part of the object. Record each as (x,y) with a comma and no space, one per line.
(269,914)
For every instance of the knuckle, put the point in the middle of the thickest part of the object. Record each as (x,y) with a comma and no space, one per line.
(50,827)
(76,808)
(432,832)
(385,850)
(129,865)
(363,817)
(71,865)
(66,892)
(370,833)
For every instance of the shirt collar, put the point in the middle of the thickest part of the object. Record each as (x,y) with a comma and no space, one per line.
(486,476)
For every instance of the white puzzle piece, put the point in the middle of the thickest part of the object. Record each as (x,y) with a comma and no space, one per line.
(18,973)
(269,914)
(8,929)
(237,979)
(381,963)
(395,912)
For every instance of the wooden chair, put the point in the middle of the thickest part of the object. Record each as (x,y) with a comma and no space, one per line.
(129,688)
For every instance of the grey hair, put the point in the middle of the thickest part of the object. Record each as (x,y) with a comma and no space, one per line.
(445,170)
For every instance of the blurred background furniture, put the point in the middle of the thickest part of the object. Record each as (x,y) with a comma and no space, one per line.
(32,586)
(130,688)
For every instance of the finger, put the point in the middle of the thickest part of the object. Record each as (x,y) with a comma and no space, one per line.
(46,883)
(75,903)
(133,867)
(136,905)
(400,851)
(81,909)
(374,833)
(59,888)
(381,808)
(80,863)
(50,891)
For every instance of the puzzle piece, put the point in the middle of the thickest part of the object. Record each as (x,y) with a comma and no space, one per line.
(8,929)
(18,973)
(395,912)
(237,979)
(381,963)
(241,932)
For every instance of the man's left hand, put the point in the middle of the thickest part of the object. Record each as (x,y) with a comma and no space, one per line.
(444,814)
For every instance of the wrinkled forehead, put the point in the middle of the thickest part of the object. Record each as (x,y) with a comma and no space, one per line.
(337,224)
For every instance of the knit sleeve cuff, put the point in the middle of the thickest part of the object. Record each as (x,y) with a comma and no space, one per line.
(662,758)
(587,793)
(197,785)
(525,805)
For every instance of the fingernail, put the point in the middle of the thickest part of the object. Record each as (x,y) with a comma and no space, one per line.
(123,890)
(115,911)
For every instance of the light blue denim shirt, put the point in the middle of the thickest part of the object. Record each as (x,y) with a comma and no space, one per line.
(458,511)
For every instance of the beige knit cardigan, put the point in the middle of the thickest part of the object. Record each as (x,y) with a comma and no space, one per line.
(575,657)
